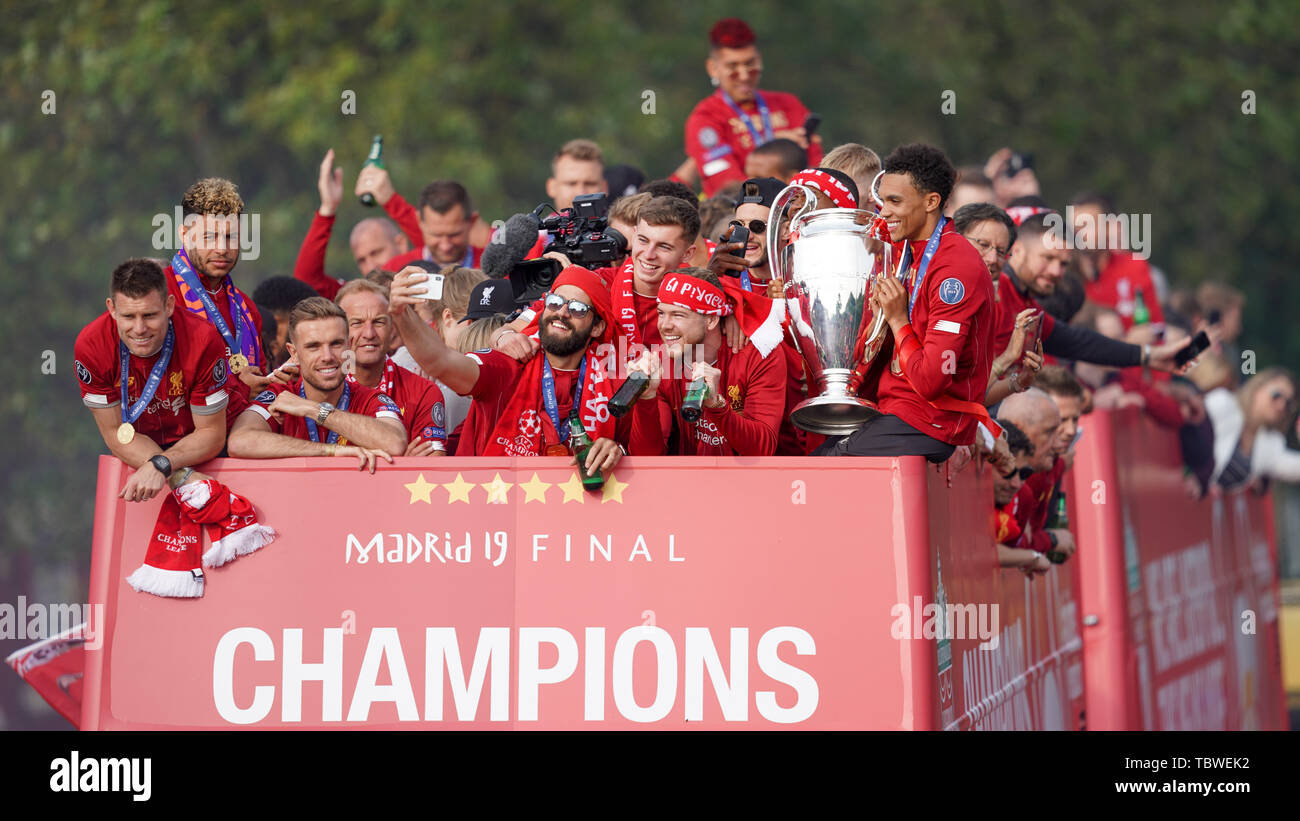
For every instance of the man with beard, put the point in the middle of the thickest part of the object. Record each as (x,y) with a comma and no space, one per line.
(746,403)
(321,413)
(1036,263)
(370,330)
(522,409)
(199,275)
(727,125)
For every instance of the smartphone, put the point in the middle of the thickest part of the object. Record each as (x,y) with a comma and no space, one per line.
(810,125)
(1033,330)
(1198,345)
(739,233)
(432,287)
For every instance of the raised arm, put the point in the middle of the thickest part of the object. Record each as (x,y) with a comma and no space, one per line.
(453,368)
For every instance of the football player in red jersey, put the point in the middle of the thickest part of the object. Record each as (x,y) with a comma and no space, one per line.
(747,390)
(199,275)
(156,380)
(728,124)
(521,409)
(320,413)
(420,400)
(931,392)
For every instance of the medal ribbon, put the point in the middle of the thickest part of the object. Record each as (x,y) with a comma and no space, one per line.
(155,376)
(548,396)
(242,340)
(342,405)
(930,248)
(763,112)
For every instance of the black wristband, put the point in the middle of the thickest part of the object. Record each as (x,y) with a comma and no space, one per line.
(1052,537)
(162,464)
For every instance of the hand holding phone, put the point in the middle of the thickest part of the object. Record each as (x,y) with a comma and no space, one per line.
(810,125)
(1197,346)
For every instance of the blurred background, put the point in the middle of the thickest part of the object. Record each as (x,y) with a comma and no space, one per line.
(1142,101)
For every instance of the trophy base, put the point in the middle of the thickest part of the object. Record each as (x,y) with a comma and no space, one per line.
(833,415)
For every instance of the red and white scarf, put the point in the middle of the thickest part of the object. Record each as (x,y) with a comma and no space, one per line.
(173,563)
(385,382)
(524,422)
(828,185)
(622,296)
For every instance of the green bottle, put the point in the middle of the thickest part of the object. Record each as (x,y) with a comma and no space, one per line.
(376,159)
(693,404)
(1141,314)
(580,445)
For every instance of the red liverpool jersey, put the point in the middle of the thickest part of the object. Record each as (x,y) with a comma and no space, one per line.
(362,401)
(197,379)
(747,425)
(953,317)
(719,141)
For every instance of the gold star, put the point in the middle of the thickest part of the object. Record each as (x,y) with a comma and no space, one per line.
(573,491)
(613,490)
(420,490)
(458,491)
(535,489)
(498,490)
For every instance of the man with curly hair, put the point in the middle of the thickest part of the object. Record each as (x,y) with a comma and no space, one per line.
(199,275)
(931,391)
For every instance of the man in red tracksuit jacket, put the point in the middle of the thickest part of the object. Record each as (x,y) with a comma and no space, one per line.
(931,391)
(737,118)
(747,390)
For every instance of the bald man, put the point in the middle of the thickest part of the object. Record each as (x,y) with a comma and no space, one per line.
(1035,413)
(373,240)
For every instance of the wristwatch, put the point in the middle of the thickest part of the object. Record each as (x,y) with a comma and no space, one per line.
(325,410)
(1146,355)
(162,464)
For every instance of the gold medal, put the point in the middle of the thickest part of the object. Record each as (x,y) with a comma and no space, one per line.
(125,433)
(238,362)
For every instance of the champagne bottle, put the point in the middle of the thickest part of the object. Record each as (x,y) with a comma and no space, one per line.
(376,159)
(636,383)
(1141,314)
(693,404)
(580,445)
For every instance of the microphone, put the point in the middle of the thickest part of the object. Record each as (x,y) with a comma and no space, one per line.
(510,245)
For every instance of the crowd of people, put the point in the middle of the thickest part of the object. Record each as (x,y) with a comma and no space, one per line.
(1002,334)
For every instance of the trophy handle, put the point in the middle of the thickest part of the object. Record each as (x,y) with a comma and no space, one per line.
(779,208)
(875,188)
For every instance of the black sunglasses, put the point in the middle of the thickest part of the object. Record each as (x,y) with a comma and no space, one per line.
(577,310)
(754,226)
(1024,472)
(1290,400)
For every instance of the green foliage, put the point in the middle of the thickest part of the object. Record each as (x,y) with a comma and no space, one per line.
(1143,101)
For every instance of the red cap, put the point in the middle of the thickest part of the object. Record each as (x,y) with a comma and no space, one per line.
(731,33)
(595,289)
